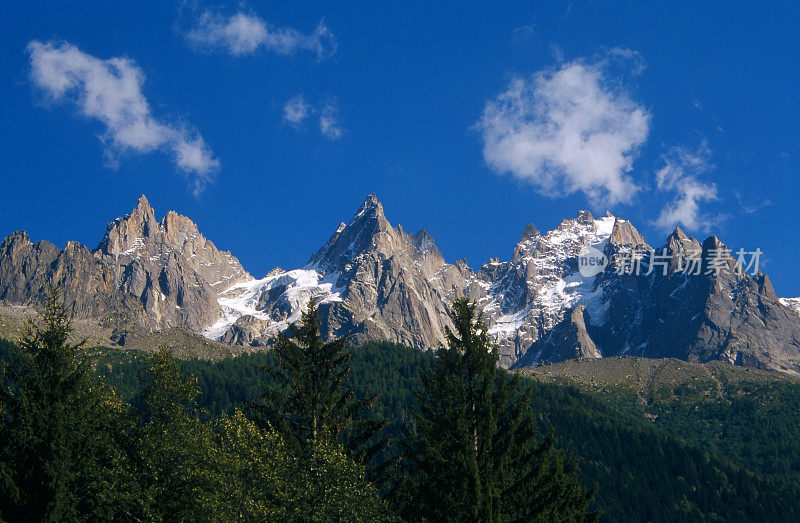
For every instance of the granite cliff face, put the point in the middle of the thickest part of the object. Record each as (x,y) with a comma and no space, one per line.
(371,281)
(144,273)
(375,281)
(713,311)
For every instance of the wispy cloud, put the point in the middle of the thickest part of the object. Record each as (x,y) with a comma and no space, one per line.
(749,207)
(679,174)
(110,91)
(296,110)
(244,33)
(630,59)
(523,34)
(330,121)
(567,130)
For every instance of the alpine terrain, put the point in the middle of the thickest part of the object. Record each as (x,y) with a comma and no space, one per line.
(373,281)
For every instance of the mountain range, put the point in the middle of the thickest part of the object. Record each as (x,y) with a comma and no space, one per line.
(373,281)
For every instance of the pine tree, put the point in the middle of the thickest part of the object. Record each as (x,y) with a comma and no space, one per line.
(308,400)
(57,446)
(180,471)
(476,454)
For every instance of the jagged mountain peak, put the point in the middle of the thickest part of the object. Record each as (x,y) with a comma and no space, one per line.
(680,242)
(370,213)
(765,287)
(424,242)
(623,233)
(583,220)
(530,232)
(139,237)
(16,239)
(376,281)
(565,240)
(143,205)
(140,227)
(678,234)
(126,233)
(712,242)
(371,202)
(178,229)
(351,238)
(585,217)
(369,231)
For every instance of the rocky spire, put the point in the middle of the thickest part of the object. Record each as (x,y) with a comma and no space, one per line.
(679,241)
(624,233)
(584,217)
(127,233)
(424,243)
(367,230)
(530,232)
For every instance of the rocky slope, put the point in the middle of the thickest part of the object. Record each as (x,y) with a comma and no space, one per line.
(144,276)
(375,281)
(371,281)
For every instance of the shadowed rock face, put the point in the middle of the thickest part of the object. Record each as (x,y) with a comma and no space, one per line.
(375,281)
(392,285)
(153,274)
(711,315)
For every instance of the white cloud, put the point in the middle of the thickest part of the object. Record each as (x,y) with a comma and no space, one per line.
(296,109)
(567,130)
(680,175)
(749,207)
(630,59)
(242,33)
(110,91)
(330,121)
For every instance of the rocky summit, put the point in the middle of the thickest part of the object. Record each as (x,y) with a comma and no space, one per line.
(372,280)
(144,274)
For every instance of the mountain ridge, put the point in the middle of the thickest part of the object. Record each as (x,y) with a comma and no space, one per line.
(372,280)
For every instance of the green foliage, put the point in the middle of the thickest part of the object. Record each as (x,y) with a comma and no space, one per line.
(732,456)
(647,474)
(187,469)
(178,470)
(271,478)
(754,423)
(306,400)
(475,454)
(645,470)
(57,426)
(71,449)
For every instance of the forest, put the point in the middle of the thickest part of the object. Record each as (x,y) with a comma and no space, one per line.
(314,431)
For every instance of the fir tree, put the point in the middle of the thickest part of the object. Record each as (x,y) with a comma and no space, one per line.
(475,454)
(56,425)
(308,401)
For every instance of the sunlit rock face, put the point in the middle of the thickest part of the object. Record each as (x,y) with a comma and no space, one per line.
(157,274)
(372,280)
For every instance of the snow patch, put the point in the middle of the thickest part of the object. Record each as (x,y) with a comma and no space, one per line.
(553,287)
(792,303)
(298,287)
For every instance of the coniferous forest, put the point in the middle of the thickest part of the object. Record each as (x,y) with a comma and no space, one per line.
(322,431)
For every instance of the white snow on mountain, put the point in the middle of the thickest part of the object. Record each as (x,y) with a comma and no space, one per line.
(536,287)
(293,289)
(792,303)
(552,287)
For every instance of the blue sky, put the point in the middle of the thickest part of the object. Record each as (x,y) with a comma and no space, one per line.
(268,123)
